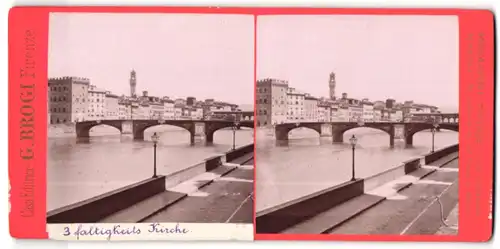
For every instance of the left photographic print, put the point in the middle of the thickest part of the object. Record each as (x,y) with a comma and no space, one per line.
(150,120)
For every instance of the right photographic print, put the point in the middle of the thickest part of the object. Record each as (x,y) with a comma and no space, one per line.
(357,124)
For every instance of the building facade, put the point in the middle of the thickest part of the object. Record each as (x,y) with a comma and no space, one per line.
(324,113)
(178,111)
(368,114)
(396,115)
(295,102)
(124,110)
(74,99)
(311,109)
(355,112)
(156,110)
(271,98)
(377,115)
(343,113)
(168,110)
(68,99)
(111,106)
(96,103)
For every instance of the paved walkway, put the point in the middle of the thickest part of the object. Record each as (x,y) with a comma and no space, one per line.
(224,194)
(227,199)
(418,209)
(451,226)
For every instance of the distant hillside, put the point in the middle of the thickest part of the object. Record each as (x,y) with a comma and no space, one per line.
(246,108)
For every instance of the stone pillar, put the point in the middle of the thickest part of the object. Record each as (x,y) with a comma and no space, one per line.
(198,133)
(281,133)
(337,134)
(405,132)
(409,140)
(82,131)
(338,137)
(192,138)
(139,135)
(137,130)
(398,131)
(199,130)
(209,138)
(127,127)
(326,130)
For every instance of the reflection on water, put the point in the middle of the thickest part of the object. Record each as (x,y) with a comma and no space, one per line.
(82,168)
(308,163)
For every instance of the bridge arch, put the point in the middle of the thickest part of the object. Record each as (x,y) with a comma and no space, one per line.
(282,130)
(139,126)
(315,130)
(82,129)
(338,130)
(212,127)
(362,131)
(412,129)
(169,134)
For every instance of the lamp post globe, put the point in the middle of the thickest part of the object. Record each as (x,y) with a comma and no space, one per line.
(155,138)
(353,140)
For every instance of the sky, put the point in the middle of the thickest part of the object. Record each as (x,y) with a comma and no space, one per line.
(176,55)
(375,57)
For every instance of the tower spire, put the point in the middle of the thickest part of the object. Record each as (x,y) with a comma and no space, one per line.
(332,84)
(133,83)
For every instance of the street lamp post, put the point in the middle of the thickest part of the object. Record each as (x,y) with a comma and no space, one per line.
(433,130)
(235,127)
(353,141)
(155,139)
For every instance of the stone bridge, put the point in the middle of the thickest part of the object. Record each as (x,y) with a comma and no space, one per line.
(336,129)
(137,127)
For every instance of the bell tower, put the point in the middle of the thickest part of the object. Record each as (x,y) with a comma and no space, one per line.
(332,85)
(133,83)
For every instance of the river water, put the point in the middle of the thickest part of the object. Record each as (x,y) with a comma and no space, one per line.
(309,163)
(79,169)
